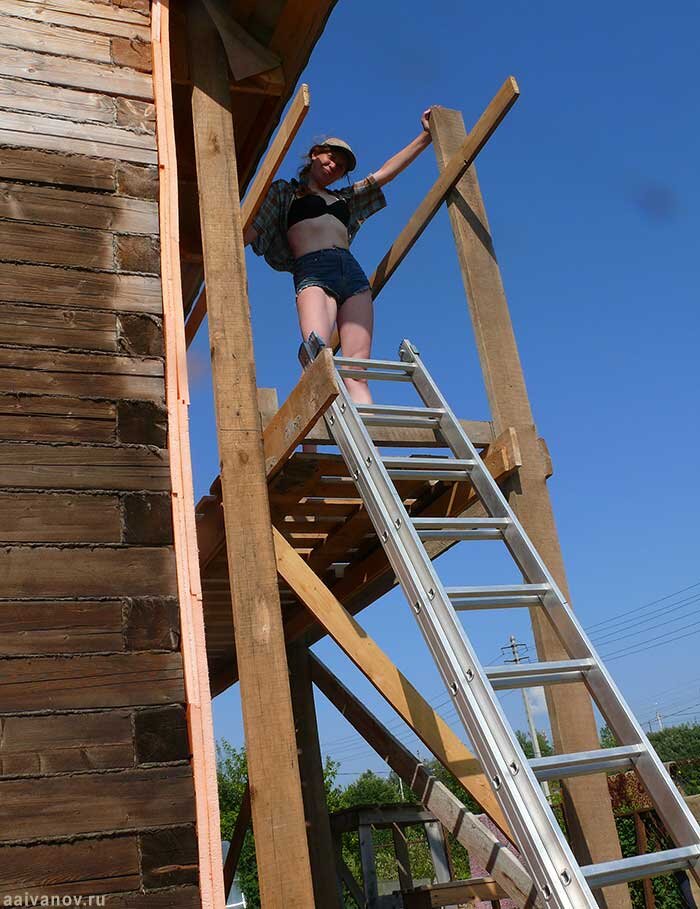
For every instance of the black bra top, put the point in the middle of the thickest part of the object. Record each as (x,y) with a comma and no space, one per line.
(313,206)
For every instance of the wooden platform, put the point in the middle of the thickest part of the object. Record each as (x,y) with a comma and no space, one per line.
(314,504)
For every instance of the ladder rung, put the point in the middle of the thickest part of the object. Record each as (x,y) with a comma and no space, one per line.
(390,415)
(561,766)
(526,675)
(449,469)
(460,528)
(640,866)
(497,597)
(373,374)
(390,365)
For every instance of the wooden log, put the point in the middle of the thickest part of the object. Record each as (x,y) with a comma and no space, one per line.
(476,838)
(65,743)
(152,624)
(49,419)
(50,205)
(385,677)
(45,466)
(142,423)
(58,40)
(281,844)
(44,571)
(169,857)
(60,287)
(84,682)
(57,626)
(30,517)
(84,15)
(34,326)
(586,800)
(260,185)
(65,71)
(78,247)
(118,801)
(160,735)
(71,104)
(83,867)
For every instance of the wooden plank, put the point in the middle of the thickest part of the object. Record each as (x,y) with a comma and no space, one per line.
(49,419)
(50,205)
(35,97)
(56,245)
(385,676)
(118,801)
(41,327)
(95,17)
(63,743)
(476,838)
(83,867)
(479,431)
(593,831)
(453,892)
(169,858)
(59,287)
(193,644)
(34,35)
(308,401)
(93,364)
(281,842)
(246,56)
(260,185)
(44,571)
(46,466)
(28,130)
(65,71)
(237,839)
(56,626)
(83,682)
(459,162)
(32,517)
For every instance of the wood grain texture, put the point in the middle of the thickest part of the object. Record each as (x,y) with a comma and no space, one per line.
(35,35)
(69,103)
(27,517)
(46,466)
(56,245)
(118,801)
(52,167)
(169,857)
(101,18)
(86,867)
(83,682)
(43,571)
(39,326)
(57,626)
(65,71)
(64,743)
(54,419)
(61,287)
(281,842)
(50,205)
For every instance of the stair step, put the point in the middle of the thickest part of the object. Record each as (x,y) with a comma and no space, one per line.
(562,766)
(497,597)
(527,675)
(640,866)
(460,528)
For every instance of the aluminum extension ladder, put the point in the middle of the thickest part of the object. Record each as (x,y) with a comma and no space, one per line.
(515,779)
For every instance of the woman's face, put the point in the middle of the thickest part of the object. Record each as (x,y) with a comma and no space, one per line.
(327,165)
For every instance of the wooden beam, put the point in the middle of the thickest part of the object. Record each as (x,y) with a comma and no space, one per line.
(384,675)
(454,892)
(194,651)
(260,185)
(273,771)
(459,162)
(246,56)
(237,839)
(479,431)
(475,836)
(586,800)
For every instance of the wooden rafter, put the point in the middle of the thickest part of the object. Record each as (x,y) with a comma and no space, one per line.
(246,56)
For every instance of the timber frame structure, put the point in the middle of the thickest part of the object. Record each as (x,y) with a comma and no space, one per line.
(132,130)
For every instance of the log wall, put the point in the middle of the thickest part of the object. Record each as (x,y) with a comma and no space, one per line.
(96,792)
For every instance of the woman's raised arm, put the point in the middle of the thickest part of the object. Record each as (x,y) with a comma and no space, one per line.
(403,158)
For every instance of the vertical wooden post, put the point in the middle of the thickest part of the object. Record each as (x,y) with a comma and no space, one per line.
(586,800)
(318,823)
(273,771)
(640,835)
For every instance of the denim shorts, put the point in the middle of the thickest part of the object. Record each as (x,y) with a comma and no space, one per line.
(335,270)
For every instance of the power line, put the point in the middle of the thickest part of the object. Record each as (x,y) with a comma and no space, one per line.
(642,624)
(652,643)
(643,628)
(637,609)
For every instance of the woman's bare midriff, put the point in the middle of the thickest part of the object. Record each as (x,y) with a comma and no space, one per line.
(317,233)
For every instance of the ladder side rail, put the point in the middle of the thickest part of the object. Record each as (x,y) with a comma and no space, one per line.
(675,814)
(547,852)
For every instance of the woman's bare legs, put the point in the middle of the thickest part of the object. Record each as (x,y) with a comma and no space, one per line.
(355,323)
(317,312)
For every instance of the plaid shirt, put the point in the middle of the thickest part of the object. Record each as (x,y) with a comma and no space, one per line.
(363,199)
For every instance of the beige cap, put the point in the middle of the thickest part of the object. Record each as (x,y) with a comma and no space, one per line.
(344,147)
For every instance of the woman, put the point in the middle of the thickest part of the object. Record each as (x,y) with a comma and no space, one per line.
(306,228)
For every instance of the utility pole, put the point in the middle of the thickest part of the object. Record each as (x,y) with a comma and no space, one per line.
(514,648)
(658,720)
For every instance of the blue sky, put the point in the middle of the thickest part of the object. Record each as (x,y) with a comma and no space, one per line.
(592,195)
